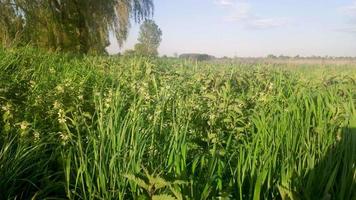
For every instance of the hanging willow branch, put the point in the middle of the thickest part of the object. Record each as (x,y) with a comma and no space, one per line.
(71,25)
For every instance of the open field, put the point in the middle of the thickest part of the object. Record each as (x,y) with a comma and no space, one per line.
(140,128)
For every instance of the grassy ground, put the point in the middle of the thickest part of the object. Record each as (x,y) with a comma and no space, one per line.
(139,128)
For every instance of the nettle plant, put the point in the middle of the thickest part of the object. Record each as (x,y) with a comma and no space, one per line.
(155,187)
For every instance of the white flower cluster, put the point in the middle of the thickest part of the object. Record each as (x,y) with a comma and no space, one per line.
(6,107)
(61,116)
(24,125)
(108,99)
(64,137)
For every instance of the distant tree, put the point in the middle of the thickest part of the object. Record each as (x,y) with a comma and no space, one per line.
(283,57)
(196,56)
(271,56)
(70,25)
(149,39)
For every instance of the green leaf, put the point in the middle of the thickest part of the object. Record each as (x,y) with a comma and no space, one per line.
(138,181)
(287,194)
(260,179)
(210,96)
(159,182)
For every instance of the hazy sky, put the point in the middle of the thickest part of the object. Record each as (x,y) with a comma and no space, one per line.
(254,27)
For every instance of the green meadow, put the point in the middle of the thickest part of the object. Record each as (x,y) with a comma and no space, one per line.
(131,127)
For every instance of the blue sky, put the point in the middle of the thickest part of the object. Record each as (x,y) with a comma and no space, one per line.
(253,27)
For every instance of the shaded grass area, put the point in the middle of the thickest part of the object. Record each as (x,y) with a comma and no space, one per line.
(140,128)
(338,165)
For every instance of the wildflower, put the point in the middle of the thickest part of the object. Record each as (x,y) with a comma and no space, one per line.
(212,137)
(61,116)
(52,70)
(64,137)
(150,117)
(38,100)
(212,117)
(62,120)
(86,139)
(36,136)
(80,97)
(263,97)
(67,82)
(338,137)
(6,107)
(60,113)
(60,89)
(145,84)
(270,87)
(56,105)
(32,84)
(110,93)
(24,125)
(107,102)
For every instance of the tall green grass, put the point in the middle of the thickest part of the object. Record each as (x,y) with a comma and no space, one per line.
(139,128)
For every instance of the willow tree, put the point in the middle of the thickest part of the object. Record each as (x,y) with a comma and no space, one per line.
(70,25)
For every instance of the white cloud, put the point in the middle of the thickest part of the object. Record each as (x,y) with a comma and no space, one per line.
(241,11)
(349,10)
(347,29)
(266,23)
(238,12)
(224,2)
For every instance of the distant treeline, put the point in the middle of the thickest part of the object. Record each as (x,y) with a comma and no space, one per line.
(203,57)
(196,56)
(283,57)
(308,57)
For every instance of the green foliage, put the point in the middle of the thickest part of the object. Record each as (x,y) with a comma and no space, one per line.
(26,167)
(149,39)
(70,25)
(154,184)
(137,127)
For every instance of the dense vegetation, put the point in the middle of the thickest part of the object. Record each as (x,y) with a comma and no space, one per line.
(129,128)
(69,25)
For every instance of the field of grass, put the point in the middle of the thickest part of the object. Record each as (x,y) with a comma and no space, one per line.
(140,128)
